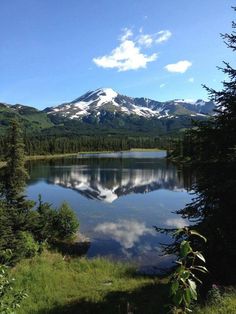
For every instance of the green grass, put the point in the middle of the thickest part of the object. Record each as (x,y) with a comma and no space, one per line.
(78,285)
(225,305)
(83,286)
(40,157)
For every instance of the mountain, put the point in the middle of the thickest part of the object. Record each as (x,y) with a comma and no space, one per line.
(105,100)
(104,111)
(32,119)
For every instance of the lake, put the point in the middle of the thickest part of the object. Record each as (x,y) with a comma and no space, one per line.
(118,198)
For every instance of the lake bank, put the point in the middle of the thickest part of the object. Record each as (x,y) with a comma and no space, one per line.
(55,156)
(79,285)
(56,284)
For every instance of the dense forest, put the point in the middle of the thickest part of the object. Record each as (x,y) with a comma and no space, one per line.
(42,145)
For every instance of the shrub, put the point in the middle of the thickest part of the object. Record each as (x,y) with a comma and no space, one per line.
(66,222)
(27,246)
(53,225)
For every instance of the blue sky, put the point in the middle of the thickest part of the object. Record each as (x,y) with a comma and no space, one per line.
(53,51)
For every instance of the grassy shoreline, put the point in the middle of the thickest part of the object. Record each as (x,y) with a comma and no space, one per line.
(37,157)
(54,156)
(56,284)
(80,285)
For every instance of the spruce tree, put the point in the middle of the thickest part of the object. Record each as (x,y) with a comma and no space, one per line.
(213,157)
(14,174)
(16,211)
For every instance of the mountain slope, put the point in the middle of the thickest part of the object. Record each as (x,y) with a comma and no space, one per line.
(104,111)
(103,100)
(32,119)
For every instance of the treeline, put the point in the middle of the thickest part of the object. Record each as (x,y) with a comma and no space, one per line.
(42,145)
(26,227)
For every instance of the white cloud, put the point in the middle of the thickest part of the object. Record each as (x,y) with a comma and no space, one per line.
(127,34)
(179,67)
(162,85)
(191,80)
(145,40)
(127,56)
(125,232)
(163,36)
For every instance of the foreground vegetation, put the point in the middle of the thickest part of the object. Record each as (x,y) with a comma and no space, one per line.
(59,285)
(225,304)
(78,285)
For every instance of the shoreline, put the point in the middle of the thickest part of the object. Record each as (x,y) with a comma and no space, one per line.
(54,156)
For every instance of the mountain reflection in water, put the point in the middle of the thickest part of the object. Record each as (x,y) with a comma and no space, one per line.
(118,198)
(107,179)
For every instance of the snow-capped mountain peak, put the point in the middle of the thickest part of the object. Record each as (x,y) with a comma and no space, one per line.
(100,95)
(105,101)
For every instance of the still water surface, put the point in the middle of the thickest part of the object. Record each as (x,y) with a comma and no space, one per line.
(118,198)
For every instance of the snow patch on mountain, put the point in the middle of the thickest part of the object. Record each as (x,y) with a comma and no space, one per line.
(102,100)
(106,95)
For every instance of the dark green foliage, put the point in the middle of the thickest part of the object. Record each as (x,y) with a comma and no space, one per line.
(26,245)
(66,223)
(44,222)
(14,173)
(71,143)
(25,233)
(16,225)
(20,225)
(211,150)
(41,145)
(73,136)
(53,225)
(16,211)
(184,280)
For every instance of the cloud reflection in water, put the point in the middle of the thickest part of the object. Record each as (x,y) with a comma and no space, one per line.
(126,232)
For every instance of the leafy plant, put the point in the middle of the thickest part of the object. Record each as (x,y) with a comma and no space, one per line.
(10,299)
(183,282)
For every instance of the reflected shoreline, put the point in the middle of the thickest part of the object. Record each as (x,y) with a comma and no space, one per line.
(107,179)
(116,201)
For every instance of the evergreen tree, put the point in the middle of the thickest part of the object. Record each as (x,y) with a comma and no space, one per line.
(14,174)
(20,225)
(211,149)
(16,211)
